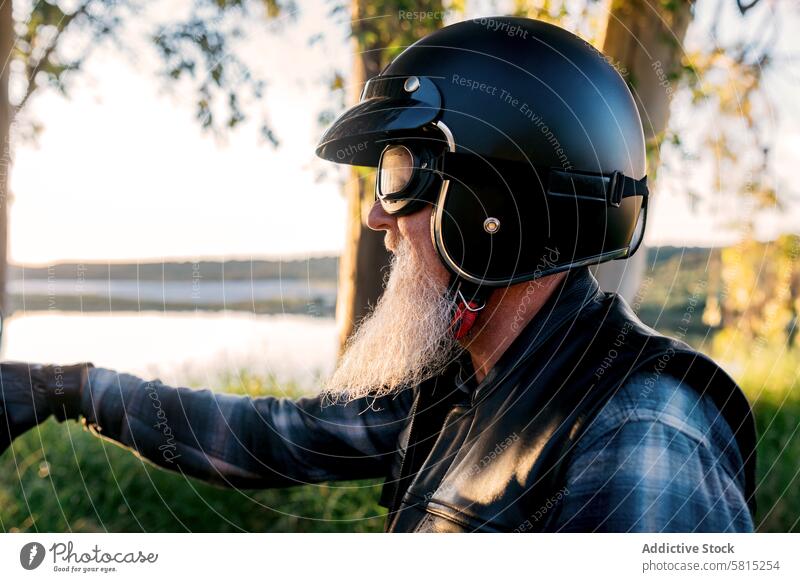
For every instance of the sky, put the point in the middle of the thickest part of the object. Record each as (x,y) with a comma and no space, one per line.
(123,172)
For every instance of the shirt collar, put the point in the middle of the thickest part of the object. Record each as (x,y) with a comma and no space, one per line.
(578,289)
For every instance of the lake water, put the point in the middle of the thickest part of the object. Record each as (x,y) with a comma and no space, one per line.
(177,347)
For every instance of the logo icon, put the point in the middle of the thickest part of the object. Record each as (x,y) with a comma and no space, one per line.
(31,555)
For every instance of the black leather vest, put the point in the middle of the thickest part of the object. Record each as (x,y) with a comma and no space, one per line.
(487,459)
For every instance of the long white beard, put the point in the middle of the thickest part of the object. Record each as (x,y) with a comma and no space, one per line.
(405,340)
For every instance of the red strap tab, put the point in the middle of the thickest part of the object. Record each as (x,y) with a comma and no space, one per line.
(463,319)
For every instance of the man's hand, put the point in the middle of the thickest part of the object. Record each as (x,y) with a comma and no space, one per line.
(30,393)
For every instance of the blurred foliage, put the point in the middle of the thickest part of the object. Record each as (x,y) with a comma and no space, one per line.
(38,58)
(735,114)
(756,302)
(203,47)
(38,33)
(389,26)
(675,275)
(55,39)
(756,307)
(586,18)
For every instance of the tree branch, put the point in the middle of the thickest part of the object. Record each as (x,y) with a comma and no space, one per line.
(33,69)
(744,7)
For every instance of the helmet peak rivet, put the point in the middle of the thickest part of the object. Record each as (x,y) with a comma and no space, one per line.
(411,84)
(491,225)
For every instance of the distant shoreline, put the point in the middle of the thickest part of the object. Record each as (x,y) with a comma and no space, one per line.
(93,304)
(318,268)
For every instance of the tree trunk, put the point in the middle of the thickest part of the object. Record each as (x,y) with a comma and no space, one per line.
(378,32)
(644,40)
(364,255)
(6,112)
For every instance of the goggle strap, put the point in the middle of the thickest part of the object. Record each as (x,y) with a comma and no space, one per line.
(611,188)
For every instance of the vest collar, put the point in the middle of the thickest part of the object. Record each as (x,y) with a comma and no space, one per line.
(578,289)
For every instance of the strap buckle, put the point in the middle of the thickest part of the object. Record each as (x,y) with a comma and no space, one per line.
(616,184)
(468,304)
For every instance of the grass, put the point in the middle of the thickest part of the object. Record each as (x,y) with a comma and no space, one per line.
(778,490)
(772,383)
(77,483)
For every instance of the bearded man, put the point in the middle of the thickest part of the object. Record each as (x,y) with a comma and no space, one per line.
(494,386)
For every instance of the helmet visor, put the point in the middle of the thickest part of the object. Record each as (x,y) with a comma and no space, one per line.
(389,107)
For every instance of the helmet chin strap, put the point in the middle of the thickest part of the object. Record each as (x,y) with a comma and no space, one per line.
(468,301)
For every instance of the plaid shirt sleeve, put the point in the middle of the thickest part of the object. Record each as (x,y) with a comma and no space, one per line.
(238,441)
(655,459)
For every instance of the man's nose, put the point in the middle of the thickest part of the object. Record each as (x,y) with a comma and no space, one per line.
(378,219)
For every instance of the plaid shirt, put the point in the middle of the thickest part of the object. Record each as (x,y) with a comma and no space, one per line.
(655,460)
(666,461)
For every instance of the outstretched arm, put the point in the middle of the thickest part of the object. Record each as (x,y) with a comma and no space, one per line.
(240,441)
(229,440)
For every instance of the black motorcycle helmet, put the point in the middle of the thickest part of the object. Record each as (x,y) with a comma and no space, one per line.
(522,135)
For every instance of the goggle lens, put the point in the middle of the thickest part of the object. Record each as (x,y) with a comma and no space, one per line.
(395,171)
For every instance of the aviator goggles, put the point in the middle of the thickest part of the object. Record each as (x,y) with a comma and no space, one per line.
(410,175)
